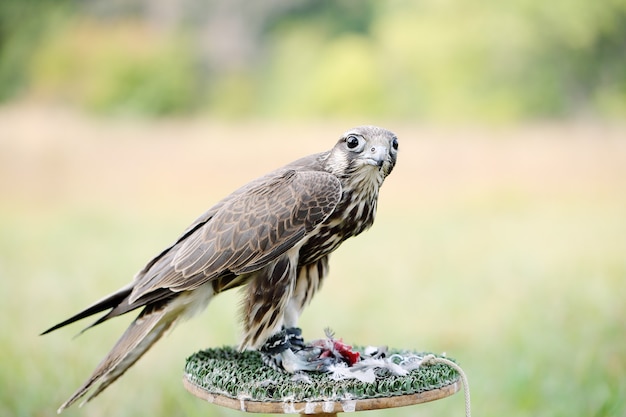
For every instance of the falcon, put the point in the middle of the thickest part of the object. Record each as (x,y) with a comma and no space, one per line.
(274,236)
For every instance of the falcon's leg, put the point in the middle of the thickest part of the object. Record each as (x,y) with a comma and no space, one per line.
(276,296)
(308,281)
(268,294)
(286,349)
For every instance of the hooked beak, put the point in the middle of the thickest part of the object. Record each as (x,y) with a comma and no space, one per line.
(376,155)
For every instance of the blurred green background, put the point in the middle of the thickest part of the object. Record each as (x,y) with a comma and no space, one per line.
(426,60)
(500,237)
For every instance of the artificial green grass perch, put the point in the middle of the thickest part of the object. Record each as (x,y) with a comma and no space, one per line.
(242,381)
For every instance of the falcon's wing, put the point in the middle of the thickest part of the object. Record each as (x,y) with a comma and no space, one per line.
(246,232)
(302,164)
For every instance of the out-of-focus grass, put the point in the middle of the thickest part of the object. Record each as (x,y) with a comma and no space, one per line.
(507,254)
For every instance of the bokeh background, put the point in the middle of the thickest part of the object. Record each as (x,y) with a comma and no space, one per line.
(500,237)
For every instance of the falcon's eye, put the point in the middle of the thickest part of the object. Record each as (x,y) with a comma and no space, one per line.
(352,141)
(394,144)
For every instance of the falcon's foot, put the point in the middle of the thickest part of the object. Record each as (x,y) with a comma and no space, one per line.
(286,351)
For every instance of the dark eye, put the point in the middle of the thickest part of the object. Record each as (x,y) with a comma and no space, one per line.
(394,144)
(352,141)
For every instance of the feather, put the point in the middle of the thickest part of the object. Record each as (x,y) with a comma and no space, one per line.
(274,235)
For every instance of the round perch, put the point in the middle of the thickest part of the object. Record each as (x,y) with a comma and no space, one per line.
(241,381)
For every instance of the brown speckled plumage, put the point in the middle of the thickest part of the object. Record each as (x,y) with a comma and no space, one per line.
(273,235)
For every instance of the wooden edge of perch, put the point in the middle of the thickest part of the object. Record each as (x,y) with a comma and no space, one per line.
(321,407)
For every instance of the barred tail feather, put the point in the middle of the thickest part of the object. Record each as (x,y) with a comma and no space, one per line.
(147,328)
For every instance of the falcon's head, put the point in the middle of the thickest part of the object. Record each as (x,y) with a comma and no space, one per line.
(364,152)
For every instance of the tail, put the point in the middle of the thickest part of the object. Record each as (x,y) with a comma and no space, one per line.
(147,328)
(109,302)
(154,320)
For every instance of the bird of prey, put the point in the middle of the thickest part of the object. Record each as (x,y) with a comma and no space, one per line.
(273,235)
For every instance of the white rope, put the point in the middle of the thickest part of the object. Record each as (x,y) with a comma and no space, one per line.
(432,359)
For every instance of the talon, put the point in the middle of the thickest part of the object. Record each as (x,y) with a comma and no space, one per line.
(306,359)
(286,351)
